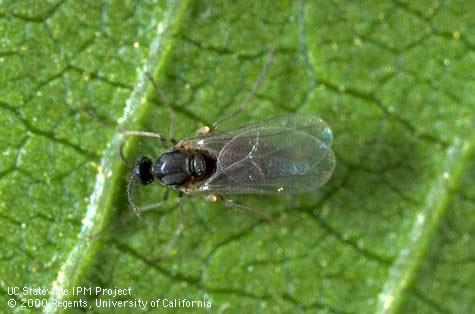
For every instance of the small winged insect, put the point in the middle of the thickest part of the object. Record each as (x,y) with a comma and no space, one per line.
(285,154)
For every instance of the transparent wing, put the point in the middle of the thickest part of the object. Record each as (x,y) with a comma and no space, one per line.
(287,154)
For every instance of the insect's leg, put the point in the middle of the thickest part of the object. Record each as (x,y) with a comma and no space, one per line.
(111,126)
(203,130)
(125,216)
(254,211)
(162,139)
(156,205)
(96,118)
(178,230)
(206,129)
(253,91)
(211,198)
(171,114)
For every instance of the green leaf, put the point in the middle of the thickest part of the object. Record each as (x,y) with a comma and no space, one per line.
(393,230)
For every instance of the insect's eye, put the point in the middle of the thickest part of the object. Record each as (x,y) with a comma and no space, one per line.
(143,170)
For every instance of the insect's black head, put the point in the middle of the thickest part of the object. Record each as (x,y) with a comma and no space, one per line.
(142,170)
(171,168)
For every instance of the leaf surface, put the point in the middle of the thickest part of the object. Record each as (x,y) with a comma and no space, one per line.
(391,232)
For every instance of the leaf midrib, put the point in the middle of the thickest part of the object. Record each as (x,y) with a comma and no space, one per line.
(106,183)
(402,272)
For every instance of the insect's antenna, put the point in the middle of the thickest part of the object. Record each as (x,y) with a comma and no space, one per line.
(132,181)
(130,195)
(122,156)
